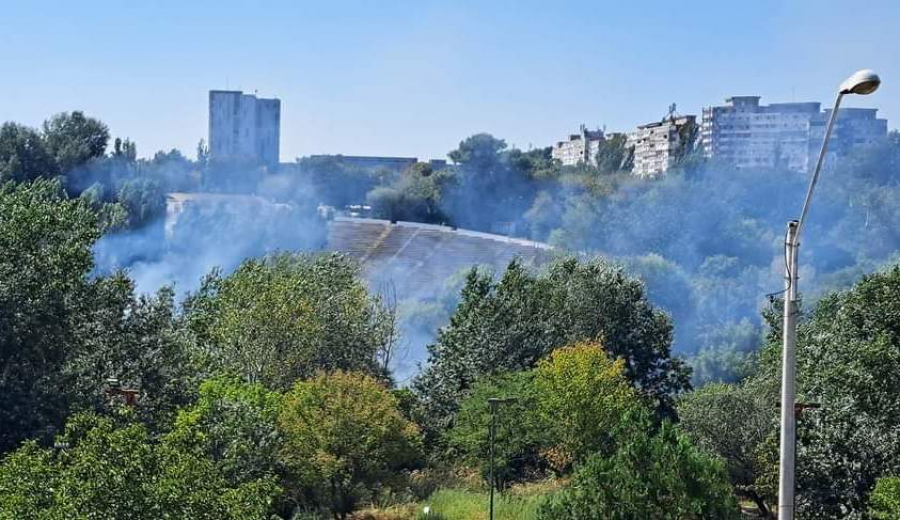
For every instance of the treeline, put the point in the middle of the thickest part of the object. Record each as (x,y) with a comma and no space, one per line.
(267,391)
(705,238)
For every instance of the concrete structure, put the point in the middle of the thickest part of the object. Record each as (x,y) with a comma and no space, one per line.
(580,148)
(853,127)
(211,203)
(658,145)
(243,127)
(746,134)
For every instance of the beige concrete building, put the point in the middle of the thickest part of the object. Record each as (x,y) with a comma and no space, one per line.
(745,134)
(580,148)
(658,145)
(243,127)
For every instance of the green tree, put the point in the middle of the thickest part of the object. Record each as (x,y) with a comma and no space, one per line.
(285,317)
(125,150)
(46,242)
(885,499)
(661,476)
(23,155)
(234,424)
(510,324)
(344,435)
(138,340)
(733,422)
(847,361)
(73,139)
(519,437)
(481,151)
(614,154)
(143,199)
(416,196)
(108,469)
(582,398)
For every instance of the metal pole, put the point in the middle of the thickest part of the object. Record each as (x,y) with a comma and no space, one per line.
(788,363)
(493,427)
(788,440)
(819,162)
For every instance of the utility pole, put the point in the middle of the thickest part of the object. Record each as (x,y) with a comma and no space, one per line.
(788,367)
(862,82)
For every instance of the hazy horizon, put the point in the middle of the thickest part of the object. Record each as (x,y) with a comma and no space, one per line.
(411,79)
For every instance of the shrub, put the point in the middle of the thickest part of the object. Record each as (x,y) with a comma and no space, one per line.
(661,476)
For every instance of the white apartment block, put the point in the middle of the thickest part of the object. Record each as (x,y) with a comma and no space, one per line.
(745,134)
(243,127)
(580,148)
(658,145)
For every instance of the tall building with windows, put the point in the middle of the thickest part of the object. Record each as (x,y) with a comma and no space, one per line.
(579,148)
(243,127)
(658,145)
(745,134)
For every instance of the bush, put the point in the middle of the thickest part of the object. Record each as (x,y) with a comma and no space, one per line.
(104,469)
(343,437)
(518,436)
(661,476)
(582,398)
(885,499)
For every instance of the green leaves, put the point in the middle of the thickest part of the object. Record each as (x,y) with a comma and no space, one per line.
(344,434)
(285,317)
(661,476)
(848,358)
(885,499)
(108,469)
(508,325)
(46,242)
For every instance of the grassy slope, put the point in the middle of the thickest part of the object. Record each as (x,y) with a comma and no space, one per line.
(519,503)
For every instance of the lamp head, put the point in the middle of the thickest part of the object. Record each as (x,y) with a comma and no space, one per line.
(862,82)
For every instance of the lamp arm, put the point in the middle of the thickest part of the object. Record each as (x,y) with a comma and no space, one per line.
(819,162)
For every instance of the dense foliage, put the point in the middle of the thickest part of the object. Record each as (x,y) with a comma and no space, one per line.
(848,358)
(885,499)
(569,407)
(285,317)
(583,397)
(510,324)
(736,423)
(104,468)
(343,436)
(659,475)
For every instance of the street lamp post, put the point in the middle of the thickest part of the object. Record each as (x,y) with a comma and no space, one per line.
(861,82)
(494,403)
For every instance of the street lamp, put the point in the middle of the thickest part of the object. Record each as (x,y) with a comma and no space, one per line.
(861,82)
(494,403)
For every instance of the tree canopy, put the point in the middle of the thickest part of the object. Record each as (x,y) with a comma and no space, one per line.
(511,323)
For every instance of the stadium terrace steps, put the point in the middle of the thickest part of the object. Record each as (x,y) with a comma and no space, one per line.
(412,256)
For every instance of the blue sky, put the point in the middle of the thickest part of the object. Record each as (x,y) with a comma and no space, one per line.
(414,78)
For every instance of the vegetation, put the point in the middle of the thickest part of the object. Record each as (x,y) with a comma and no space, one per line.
(510,324)
(285,317)
(736,423)
(658,475)
(344,435)
(267,392)
(100,468)
(885,500)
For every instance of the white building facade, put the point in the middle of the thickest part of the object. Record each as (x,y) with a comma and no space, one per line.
(658,145)
(745,134)
(580,148)
(243,127)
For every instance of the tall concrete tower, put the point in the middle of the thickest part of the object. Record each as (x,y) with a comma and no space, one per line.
(243,128)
